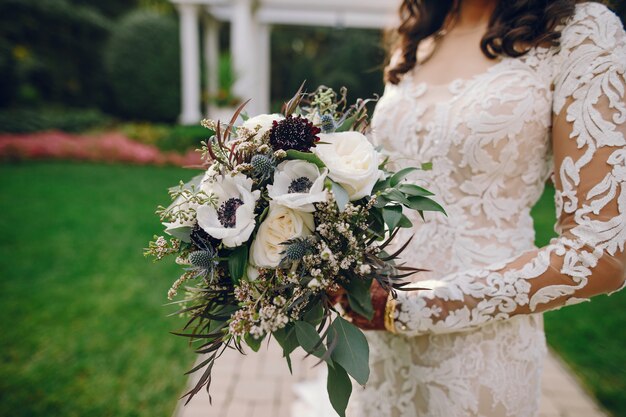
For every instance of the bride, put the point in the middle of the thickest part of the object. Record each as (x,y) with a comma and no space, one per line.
(497,95)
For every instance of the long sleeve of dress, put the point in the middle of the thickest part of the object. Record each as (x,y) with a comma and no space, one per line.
(589,146)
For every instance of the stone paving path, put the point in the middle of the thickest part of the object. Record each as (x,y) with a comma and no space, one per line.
(259,385)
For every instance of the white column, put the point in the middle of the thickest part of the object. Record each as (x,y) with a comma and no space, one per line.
(244,52)
(211,57)
(264,67)
(190,63)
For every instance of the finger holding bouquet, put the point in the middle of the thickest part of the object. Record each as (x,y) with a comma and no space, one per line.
(293,213)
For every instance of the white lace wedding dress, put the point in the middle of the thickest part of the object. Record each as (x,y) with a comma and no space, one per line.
(474,344)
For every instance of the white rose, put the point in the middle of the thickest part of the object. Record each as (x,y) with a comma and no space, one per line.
(262,123)
(280,225)
(233,219)
(352,161)
(297,185)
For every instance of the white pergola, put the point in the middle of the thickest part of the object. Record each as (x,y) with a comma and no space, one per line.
(251,21)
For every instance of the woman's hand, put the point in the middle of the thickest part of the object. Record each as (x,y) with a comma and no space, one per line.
(379,302)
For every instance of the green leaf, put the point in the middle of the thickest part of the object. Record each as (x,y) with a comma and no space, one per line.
(305,156)
(376,222)
(314,314)
(381,185)
(427,166)
(255,344)
(309,339)
(424,204)
(392,215)
(183,233)
(341,195)
(351,349)
(339,389)
(359,296)
(346,125)
(400,175)
(395,195)
(414,190)
(381,201)
(238,263)
(286,338)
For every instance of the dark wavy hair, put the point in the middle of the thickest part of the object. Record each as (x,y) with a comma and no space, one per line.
(515,27)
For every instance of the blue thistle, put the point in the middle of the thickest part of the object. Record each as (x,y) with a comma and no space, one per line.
(263,166)
(328,124)
(202,259)
(296,249)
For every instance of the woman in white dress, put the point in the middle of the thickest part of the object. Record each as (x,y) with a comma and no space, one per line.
(497,95)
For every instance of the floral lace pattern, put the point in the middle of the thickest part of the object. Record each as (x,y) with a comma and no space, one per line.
(472,345)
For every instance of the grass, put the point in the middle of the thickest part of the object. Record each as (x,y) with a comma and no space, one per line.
(590,337)
(84,330)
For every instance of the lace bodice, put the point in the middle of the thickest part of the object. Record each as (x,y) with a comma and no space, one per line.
(471,345)
(489,138)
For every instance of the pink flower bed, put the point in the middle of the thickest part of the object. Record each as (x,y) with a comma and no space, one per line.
(110,147)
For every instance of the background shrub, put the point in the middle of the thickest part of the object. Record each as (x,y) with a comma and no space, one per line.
(143,63)
(52,50)
(334,57)
(65,119)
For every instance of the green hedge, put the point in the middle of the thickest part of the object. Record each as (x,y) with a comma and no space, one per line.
(67,120)
(143,62)
(168,138)
(52,53)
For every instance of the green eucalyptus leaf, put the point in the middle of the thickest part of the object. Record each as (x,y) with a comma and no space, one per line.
(286,338)
(314,314)
(397,196)
(405,223)
(255,344)
(392,215)
(381,185)
(309,339)
(381,201)
(341,195)
(305,156)
(424,204)
(414,190)
(351,350)
(376,224)
(238,263)
(339,389)
(346,125)
(400,175)
(359,296)
(183,233)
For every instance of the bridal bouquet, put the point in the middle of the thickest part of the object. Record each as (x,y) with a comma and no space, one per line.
(292,208)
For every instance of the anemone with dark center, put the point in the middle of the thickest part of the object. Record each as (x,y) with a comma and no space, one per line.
(300,185)
(296,133)
(227,213)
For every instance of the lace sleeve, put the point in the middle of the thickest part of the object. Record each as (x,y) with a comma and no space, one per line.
(589,144)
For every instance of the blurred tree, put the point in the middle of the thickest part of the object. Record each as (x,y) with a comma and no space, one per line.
(53,51)
(334,57)
(109,8)
(143,63)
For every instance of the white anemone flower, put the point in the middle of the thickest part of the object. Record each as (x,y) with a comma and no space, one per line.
(297,185)
(232,219)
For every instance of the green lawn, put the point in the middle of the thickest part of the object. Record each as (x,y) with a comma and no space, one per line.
(591,337)
(84,330)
